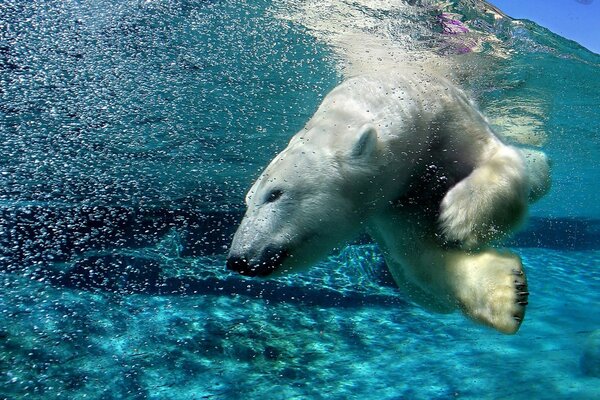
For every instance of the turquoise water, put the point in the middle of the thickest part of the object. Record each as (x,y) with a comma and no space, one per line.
(129,133)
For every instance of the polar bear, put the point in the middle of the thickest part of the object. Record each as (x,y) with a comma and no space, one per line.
(410,160)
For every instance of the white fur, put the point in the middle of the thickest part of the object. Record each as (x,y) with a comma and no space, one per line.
(411,160)
(488,203)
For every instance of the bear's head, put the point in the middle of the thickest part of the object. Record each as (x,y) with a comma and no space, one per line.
(312,197)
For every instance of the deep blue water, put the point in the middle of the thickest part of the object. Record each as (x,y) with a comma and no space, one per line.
(129,133)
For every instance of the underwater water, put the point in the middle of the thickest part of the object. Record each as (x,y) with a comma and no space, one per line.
(129,134)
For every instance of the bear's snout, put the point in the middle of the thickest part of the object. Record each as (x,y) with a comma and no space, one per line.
(269,262)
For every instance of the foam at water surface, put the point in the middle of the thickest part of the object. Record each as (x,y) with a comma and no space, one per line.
(129,132)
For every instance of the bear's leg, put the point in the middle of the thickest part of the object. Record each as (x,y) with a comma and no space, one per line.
(416,291)
(489,286)
(488,203)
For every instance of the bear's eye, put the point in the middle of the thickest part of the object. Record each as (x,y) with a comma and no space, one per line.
(273,196)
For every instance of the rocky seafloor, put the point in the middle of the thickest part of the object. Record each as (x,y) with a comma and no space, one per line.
(337,332)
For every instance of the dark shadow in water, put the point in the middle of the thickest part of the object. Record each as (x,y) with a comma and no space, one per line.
(559,234)
(34,234)
(128,275)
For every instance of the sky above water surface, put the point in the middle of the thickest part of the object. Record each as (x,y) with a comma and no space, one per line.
(577,20)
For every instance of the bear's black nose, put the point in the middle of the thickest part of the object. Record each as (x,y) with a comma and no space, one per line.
(270,260)
(238,264)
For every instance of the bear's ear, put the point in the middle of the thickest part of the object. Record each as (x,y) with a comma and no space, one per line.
(365,141)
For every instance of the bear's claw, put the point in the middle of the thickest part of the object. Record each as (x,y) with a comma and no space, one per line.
(500,302)
(522,295)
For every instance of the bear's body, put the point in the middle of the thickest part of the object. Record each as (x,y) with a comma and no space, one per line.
(410,160)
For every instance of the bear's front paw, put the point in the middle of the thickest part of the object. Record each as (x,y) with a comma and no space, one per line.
(461,217)
(483,207)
